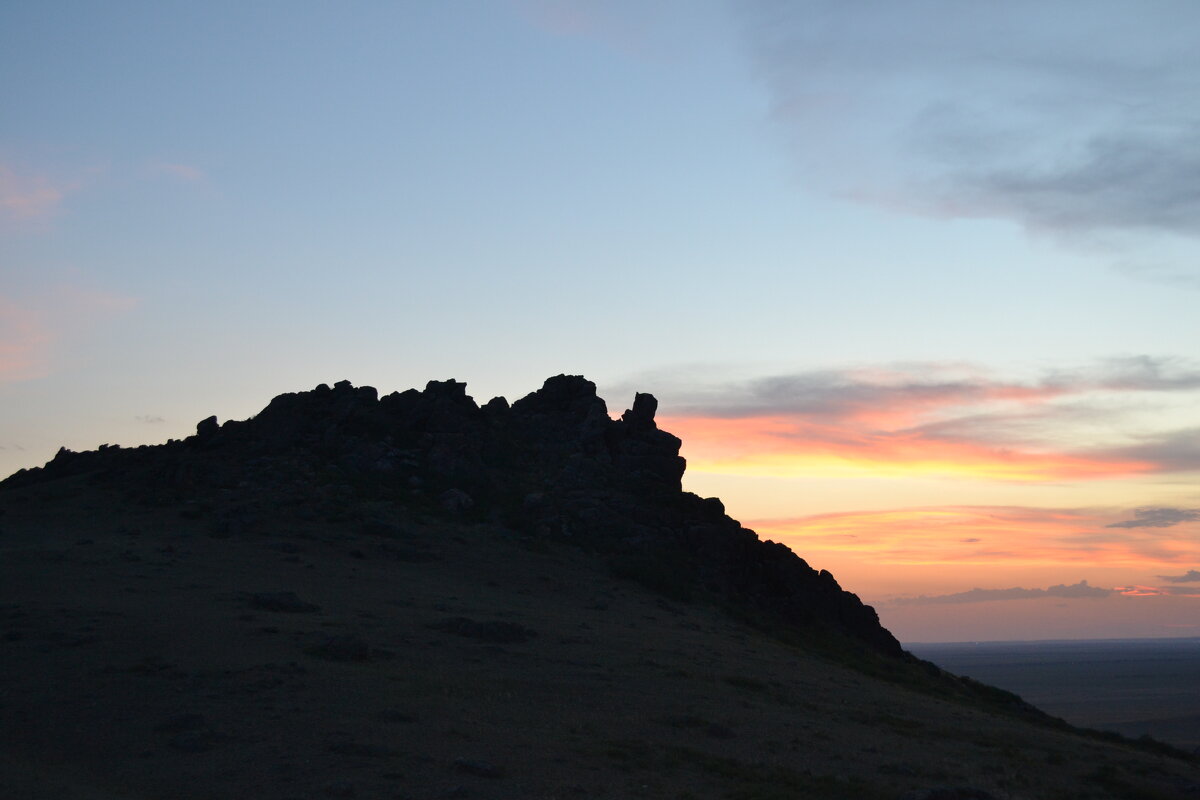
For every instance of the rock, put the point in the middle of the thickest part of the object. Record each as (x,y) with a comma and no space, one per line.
(199,741)
(357,750)
(340,788)
(480,769)
(456,501)
(642,413)
(717,731)
(396,716)
(283,602)
(494,632)
(180,723)
(553,464)
(346,648)
(190,733)
(948,793)
(380,528)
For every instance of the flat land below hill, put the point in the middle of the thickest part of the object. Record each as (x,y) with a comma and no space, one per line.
(1135,687)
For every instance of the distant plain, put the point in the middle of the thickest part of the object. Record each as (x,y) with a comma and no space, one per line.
(1132,686)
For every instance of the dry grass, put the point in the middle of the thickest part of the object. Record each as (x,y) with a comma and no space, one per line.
(134,663)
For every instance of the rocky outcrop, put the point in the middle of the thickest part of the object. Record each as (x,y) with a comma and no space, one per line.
(552,465)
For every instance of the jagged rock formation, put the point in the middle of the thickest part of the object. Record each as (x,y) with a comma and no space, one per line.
(552,465)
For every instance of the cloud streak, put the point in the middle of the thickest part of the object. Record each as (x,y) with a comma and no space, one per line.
(179,171)
(1081,125)
(33,330)
(1138,590)
(783,446)
(932,419)
(1158,518)
(1074,591)
(1191,576)
(24,339)
(962,536)
(29,197)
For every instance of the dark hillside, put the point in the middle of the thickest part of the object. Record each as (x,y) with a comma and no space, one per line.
(551,466)
(417,597)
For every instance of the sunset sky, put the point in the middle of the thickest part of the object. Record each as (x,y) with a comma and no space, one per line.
(916,281)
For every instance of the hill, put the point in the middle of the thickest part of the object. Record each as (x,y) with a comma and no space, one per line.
(415,596)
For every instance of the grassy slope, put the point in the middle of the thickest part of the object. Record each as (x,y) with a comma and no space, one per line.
(134,664)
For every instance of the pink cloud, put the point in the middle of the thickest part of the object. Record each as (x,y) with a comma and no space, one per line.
(26,197)
(24,340)
(934,419)
(635,29)
(958,535)
(781,445)
(561,17)
(34,331)
(180,171)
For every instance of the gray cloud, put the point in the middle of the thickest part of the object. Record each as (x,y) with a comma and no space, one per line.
(1149,517)
(151,419)
(1077,590)
(1078,124)
(844,392)
(1191,576)
(1177,450)
(1180,591)
(1131,373)
(1121,181)
(955,402)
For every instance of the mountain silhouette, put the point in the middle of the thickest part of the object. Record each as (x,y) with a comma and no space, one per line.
(414,595)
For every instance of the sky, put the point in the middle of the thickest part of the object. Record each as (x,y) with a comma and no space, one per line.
(916,282)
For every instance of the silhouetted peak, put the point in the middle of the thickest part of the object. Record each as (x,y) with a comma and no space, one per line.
(553,465)
(361,393)
(450,389)
(642,413)
(571,395)
(207,427)
(497,405)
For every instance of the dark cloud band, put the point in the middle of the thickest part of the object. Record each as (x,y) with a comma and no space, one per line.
(1076,590)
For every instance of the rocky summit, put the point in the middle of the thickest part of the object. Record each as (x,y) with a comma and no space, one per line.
(415,596)
(553,465)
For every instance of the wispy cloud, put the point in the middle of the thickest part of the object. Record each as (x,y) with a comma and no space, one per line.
(562,17)
(632,27)
(1177,450)
(783,446)
(1191,576)
(944,419)
(24,338)
(1138,590)
(33,330)
(179,171)
(149,419)
(26,197)
(1158,518)
(962,535)
(1074,591)
(1067,123)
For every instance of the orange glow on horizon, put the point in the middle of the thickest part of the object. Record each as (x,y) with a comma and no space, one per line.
(780,446)
(1154,591)
(983,536)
